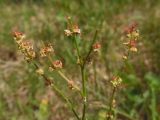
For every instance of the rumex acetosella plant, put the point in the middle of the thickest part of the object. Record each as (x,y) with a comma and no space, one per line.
(73,32)
(131,37)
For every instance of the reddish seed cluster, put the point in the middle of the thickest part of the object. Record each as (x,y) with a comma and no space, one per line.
(18,35)
(71,28)
(132,35)
(46,50)
(96,46)
(129,29)
(71,84)
(116,81)
(24,46)
(57,64)
(67,17)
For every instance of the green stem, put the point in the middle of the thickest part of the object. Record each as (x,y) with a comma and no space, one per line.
(77,48)
(83,81)
(82,67)
(95,76)
(90,50)
(110,104)
(60,93)
(84,92)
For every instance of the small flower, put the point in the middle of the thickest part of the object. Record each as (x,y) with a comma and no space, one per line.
(67,32)
(135,34)
(133,49)
(44,101)
(40,71)
(71,28)
(50,68)
(71,84)
(109,115)
(125,57)
(25,45)
(114,103)
(129,29)
(131,43)
(79,61)
(75,29)
(57,64)
(18,36)
(96,46)
(116,81)
(46,50)
(68,17)
(30,55)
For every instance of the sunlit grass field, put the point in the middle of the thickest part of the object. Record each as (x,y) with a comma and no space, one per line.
(23,95)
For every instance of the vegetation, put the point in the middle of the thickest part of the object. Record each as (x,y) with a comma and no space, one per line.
(97,70)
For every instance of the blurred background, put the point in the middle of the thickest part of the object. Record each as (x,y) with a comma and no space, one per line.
(23,95)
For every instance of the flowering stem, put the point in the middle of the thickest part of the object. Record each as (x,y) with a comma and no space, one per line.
(95,76)
(84,80)
(90,50)
(84,92)
(60,93)
(64,77)
(111,104)
(82,68)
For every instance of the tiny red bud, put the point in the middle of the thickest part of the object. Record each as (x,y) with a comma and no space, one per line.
(96,46)
(57,64)
(132,43)
(18,35)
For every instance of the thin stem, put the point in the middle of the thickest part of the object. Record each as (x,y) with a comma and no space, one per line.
(95,76)
(84,92)
(64,77)
(84,80)
(103,106)
(60,93)
(110,104)
(82,67)
(77,48)
(90,50)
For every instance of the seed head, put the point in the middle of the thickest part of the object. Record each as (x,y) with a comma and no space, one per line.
(46,50)
(40,71)
(18,36)
(116,81)
(96,46)
(57,64)
(44,101)
(71,28)
(67,32)
(75,29)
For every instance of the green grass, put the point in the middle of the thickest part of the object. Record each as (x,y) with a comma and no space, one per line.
(21,90)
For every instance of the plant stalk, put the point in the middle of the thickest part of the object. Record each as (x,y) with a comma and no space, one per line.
(110,104)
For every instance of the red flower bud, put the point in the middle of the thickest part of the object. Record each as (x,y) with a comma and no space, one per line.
(96,46)
(57,64)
